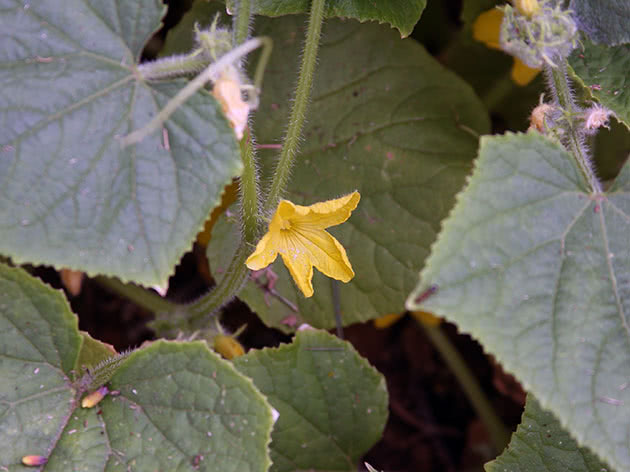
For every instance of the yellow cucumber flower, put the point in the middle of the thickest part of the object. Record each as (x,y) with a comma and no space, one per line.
(486,29)
(298,234)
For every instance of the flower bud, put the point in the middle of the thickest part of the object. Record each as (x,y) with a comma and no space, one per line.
(93,399)
(227,346)
(33,460)
(596,117)
(547,34)
(541,118)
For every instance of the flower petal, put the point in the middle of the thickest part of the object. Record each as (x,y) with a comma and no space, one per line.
(327,254)
(302,272)
(521,73)
(320,215)
(265,253)
(487,26)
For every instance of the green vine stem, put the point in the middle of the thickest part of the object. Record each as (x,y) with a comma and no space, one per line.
(237,272)
(249,193)
(241,21)
(499,435)
(227,288)
(298,112)
(574,139)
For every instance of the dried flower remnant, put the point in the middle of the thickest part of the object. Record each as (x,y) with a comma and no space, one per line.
(596,117)
(542,117)
(227,90)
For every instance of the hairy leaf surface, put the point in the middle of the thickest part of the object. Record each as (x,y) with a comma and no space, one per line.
(537,269)
(400,14)
(179,404)
(332,403)
(603,71)
(605,21)
(541,444)
(71,196)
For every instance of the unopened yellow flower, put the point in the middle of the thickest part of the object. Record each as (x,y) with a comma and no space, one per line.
(527,7)
(486,29)
(298,234)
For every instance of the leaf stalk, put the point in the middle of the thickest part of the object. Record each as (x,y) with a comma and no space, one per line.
(300,104)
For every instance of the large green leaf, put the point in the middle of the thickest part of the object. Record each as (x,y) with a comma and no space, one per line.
(537,269)
(400,14)
(71,196)
(541,444)
(603,71)
(605,21)
(39,342)
(385,119)
(332,403)
(179,403)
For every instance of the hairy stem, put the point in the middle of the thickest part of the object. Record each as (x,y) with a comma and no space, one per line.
(558,81)
(298,112)
(225,290)
(241,21)
(249,191)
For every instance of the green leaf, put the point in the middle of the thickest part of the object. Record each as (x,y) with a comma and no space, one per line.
(536,268)
(180,38)
(178,405)
(186,403)
(400,14)
(92,352)
(605,21)
(72,197)
(541,444)
(332,403)
(385,119)
(39,341)
(603,71)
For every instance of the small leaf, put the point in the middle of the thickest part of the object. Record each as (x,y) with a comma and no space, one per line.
(332,403)
(177,404)
(72,196)
(536,268)
(92,352)
(541,444)
(603,71)
(400,14)
(604,21)
(180,401)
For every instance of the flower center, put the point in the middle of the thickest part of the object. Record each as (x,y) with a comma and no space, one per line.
(285,225)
